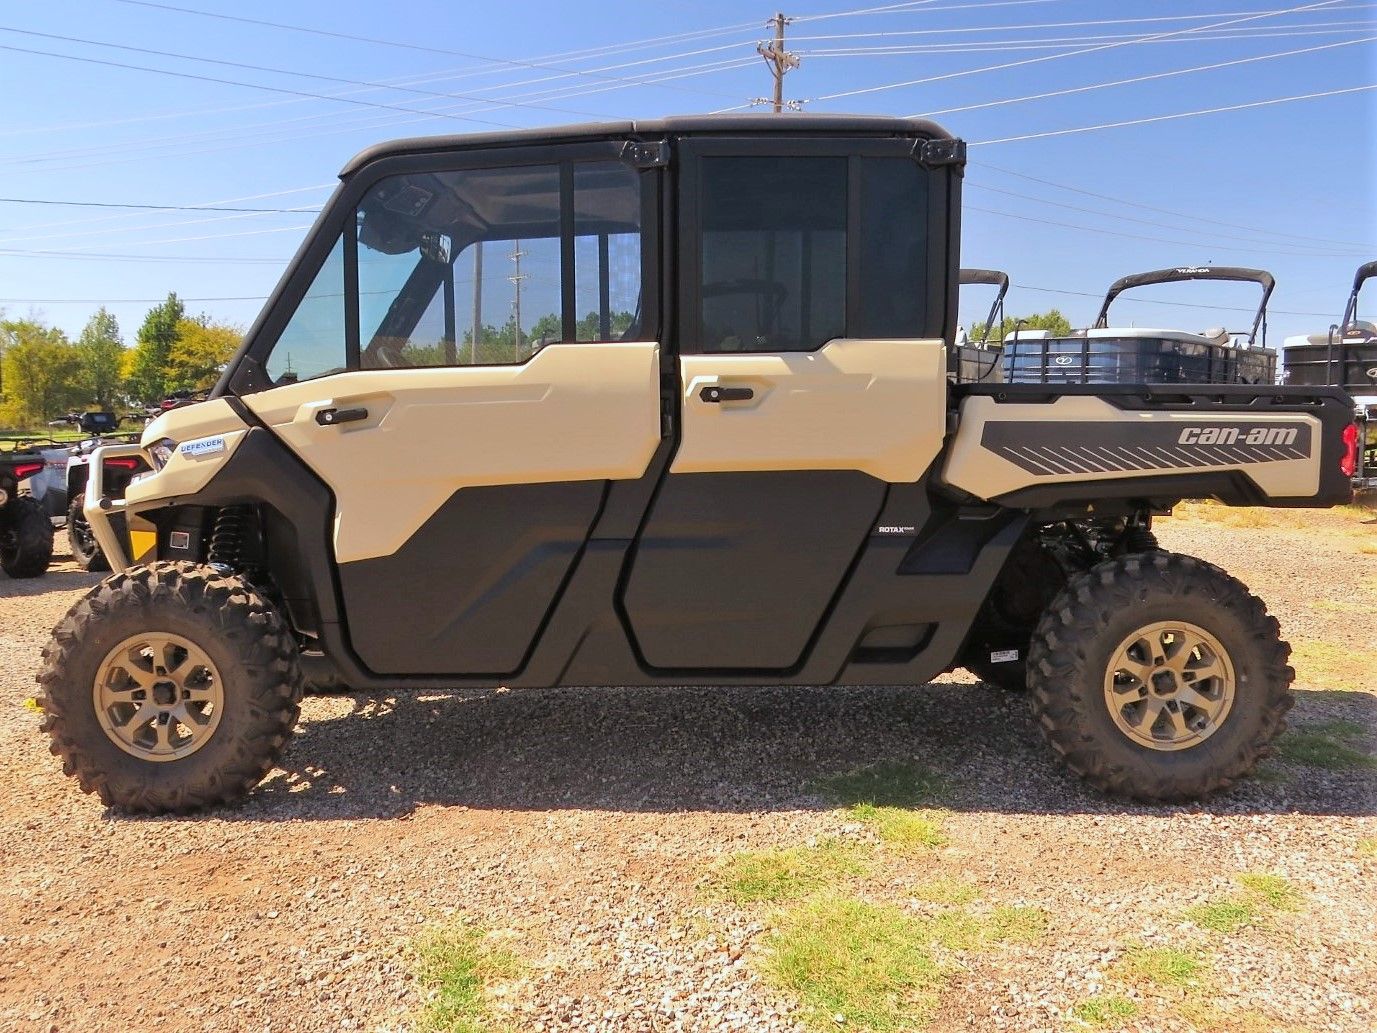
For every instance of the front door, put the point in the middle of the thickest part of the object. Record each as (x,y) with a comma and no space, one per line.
(812,376)
(467,373)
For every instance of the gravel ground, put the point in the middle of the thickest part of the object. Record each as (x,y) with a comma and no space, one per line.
(578,825)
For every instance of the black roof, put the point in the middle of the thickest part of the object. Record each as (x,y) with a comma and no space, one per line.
(796,123)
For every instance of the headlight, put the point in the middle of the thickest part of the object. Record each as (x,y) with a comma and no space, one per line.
(160,452)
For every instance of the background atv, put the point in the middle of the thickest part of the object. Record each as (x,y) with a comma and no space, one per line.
(119,471)
(721,442)
(26,533)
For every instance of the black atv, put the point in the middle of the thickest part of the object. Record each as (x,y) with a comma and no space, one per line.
(26,533)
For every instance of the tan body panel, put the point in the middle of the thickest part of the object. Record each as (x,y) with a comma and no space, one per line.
(874,406)
(972,466)
(187,472)
(574,412)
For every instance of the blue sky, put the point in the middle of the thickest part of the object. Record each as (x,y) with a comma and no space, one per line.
(1287,187)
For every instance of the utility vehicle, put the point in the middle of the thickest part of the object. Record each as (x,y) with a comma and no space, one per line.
(66,499)
(1104,354)
(1346,356)
(26,534)
(736,459)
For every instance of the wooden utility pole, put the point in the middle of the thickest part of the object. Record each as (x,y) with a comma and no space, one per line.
(779,59)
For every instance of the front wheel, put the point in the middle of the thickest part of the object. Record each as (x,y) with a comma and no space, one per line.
(26,537)
(1159,677)
(81,539)
(170,687)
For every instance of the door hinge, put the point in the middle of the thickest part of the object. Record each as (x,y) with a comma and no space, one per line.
(641,155)
(932,154)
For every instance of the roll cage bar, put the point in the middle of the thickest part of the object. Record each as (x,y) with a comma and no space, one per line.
(1364,273)
(994,278)
(1202,272)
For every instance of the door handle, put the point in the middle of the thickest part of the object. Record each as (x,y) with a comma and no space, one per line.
(330,417)
(717,395)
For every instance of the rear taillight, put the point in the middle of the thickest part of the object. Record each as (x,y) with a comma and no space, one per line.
(22,470)
(123,463)
(1348,462)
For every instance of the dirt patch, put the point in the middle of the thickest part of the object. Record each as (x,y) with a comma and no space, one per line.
(577,827)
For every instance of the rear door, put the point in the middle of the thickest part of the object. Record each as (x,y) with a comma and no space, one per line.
(812,377)
(468,371)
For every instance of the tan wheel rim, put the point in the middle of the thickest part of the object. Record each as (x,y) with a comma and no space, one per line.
(158,696)
(1169,685)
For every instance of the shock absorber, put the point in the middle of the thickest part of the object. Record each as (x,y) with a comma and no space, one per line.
(228,538)
(1138,537)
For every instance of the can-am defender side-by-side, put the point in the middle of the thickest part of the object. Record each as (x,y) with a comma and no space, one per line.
(1345,356)
(1105,354)
(705,435)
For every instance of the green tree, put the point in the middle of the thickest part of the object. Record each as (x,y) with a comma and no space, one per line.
(1052,320)
(100,356)
(41,374)
(199,353)
(148,370)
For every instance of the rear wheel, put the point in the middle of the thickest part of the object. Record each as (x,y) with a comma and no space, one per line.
(26,537)
(1159,677)
(80,538)
(170,687)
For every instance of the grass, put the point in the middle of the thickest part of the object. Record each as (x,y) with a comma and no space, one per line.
(1019,924)
(1329,745)
(1105,1010)
(859,965)
(888,797)
(1223,916)
(1274,890)
(873,964)
(771,876)
(1367,847)
(1262,892)
(1161,966)
(458,966)
(1207,1017)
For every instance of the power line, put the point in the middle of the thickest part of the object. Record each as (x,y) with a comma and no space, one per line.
(152,207)
(1148,78)
(106,256)
(1060,43)
(1176,115)
(1139,236)
(511,62)
(1073,53)
(1161,211)
(246,85)
(280,71)
(891,34)
(1214,234)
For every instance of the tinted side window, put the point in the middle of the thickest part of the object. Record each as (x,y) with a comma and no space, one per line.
(313,343)
(773,275)
(892,250)
(473,267)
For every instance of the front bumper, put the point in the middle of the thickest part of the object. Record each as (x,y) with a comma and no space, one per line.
(99,508)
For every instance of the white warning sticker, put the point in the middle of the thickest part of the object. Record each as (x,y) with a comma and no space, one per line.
(1004,656)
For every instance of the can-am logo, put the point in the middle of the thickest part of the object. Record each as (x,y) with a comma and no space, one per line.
(1064,360)
(1237,436)
(1372,373)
